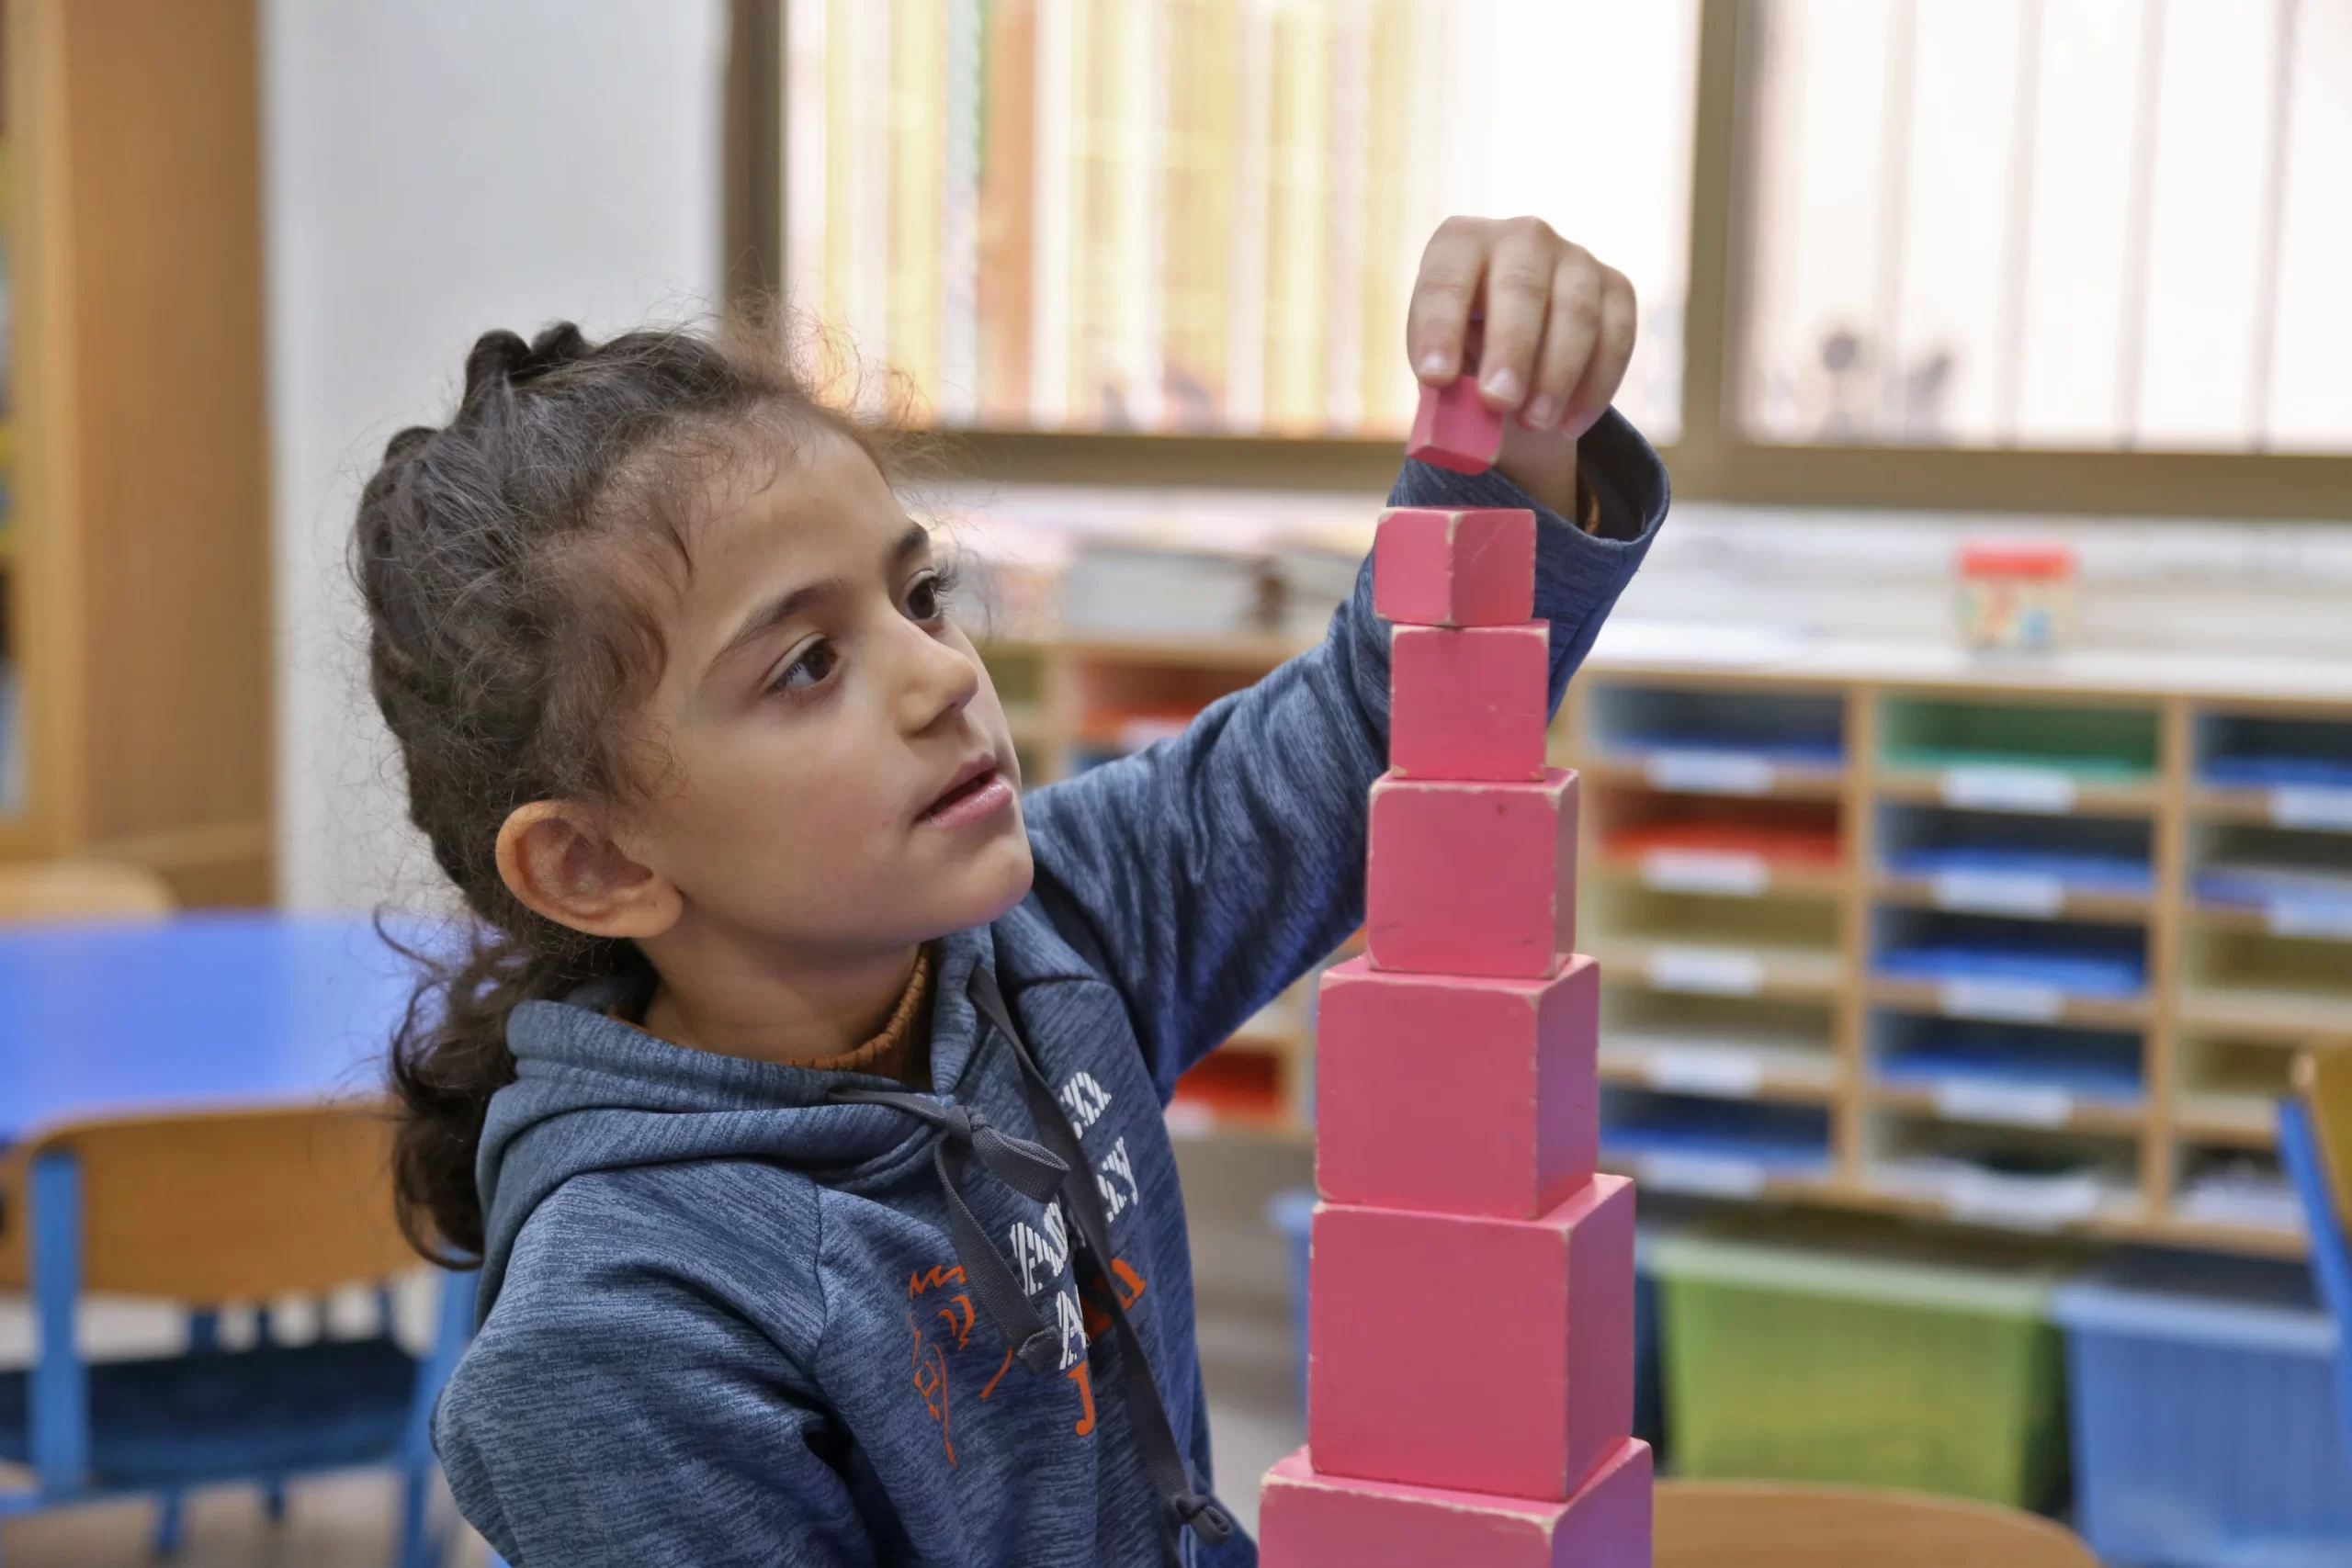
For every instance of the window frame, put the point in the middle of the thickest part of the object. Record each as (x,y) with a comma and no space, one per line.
(1713,459)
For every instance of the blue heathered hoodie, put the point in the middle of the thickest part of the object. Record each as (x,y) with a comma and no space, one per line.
(725,1316)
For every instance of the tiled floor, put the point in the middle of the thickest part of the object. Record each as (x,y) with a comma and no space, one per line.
(329,1523)
(1246,1356)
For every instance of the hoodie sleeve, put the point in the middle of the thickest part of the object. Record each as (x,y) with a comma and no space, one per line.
(1208,872)
(643,1430)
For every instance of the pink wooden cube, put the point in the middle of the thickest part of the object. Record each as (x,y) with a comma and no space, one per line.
(1453,429)
(1469,702)
(1453,1095)
(1470,568)
(1308,1519)
(1473,878)
(1476,1354)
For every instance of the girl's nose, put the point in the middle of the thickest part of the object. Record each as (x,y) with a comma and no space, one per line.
(941,681)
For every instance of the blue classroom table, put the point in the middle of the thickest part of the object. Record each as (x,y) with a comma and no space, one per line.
(221,1009)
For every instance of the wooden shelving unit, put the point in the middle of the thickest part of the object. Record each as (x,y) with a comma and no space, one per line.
(135,601)
(1887,1137)
(2210,1042)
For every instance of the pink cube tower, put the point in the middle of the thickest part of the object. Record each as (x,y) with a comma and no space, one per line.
(1470,1383)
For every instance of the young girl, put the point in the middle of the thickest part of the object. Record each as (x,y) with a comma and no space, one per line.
(802,1096)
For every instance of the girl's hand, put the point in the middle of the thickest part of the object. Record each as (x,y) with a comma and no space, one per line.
(1547,329)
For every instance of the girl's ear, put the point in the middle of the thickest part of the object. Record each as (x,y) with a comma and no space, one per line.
(556,858)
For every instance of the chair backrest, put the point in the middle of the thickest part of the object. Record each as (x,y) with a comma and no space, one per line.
(1725,1524)
(222,1206)
(2323,1080)
(65,890)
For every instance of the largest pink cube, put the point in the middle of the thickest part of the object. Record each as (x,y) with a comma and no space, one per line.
(1309,1519)
(1456,1095)
(1476,1354)
(1474,567)
(1473,878)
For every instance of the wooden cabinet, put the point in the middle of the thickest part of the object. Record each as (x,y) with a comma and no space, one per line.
(135,563)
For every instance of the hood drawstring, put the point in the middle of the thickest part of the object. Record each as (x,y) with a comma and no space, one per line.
(1037,1171)
(1186,1506)
(1028,1169)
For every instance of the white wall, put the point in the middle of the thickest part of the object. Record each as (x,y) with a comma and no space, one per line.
(436,168)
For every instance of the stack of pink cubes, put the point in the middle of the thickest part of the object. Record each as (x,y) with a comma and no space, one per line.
(1470,1385)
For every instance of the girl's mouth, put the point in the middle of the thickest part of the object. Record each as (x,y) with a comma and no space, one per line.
(976,798)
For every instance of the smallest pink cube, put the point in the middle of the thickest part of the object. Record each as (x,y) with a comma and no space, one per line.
(1453,429)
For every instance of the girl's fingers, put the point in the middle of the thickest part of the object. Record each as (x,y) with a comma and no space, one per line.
(1442,297)
(1519,291)
(1612,350)
(1570,331)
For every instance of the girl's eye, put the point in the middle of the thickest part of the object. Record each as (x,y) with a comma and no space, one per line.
(810,669)
(927,600)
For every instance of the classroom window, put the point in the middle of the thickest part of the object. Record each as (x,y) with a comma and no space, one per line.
(1205,216)
(2087,225)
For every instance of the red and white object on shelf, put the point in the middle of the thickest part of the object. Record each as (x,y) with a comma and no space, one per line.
(1471,1274)
(2017,598)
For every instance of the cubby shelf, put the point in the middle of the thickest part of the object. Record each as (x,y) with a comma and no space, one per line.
(2062,903)
(1731,874)
(1693,773)
(1956,788)
(2332,924)
(2292,1016)
(1996,1002)
(1706,969)
(1790,1077)
(2023,1107)
(2028,791)
(2228,1121)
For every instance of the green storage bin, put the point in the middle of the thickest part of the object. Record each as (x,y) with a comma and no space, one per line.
(1894,1363)
(2107,745)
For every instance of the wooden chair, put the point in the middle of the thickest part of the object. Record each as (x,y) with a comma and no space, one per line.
(1764,1523)
(2323,1084)
(70,890)
(210,1209)
(2316,1145)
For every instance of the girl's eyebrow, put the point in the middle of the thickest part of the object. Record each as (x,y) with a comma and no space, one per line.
(785,606)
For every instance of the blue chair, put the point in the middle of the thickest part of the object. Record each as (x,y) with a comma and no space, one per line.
(2316,1145)
(210,1209)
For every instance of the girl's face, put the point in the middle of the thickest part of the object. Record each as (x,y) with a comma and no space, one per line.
(835,771)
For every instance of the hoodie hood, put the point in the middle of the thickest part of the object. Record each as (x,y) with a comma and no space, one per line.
(594,1094)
